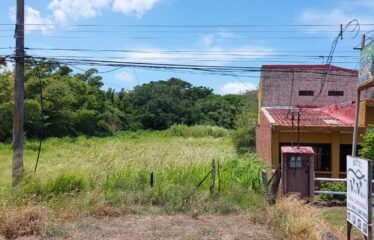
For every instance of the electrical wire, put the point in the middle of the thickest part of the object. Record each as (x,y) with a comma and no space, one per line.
(36,66)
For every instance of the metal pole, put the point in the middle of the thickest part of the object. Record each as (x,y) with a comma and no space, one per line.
(17,161)
(355,133)
(357,112)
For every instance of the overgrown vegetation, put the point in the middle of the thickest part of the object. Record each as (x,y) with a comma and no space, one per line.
(295,219)
(83,173)
(181,130)
(75,104)
(244,139)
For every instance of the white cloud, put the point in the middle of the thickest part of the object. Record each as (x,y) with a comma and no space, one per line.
(208,55)
(341,14)
(124,76)
(138,7)
(207,40)
(64,10)
(226,34)
(33,20)
(237,87)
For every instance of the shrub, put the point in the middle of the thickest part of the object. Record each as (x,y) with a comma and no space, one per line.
(333,186)
(367,150)
(244,139)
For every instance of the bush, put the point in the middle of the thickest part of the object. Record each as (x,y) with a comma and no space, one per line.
(333,186)
(181,130)
(367,150)
(244,139)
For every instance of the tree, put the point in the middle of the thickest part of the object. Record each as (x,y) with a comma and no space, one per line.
(367,150)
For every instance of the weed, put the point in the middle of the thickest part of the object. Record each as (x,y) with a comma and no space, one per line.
(21,222)
(66,182)
(294,219)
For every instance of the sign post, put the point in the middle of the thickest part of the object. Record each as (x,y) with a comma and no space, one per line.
(366,70)
(359,171)
(359,195)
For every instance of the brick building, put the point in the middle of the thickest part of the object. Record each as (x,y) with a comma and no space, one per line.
(326,119)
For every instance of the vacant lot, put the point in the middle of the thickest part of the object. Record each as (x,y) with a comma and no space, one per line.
(94,188)
(96,178)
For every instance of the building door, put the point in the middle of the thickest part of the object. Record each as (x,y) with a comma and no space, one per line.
(298,175)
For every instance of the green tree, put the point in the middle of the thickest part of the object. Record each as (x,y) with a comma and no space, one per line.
(367,150)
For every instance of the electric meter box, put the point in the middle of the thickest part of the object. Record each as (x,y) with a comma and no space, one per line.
(298,170)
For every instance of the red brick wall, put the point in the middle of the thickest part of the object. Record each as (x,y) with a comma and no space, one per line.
(263,140)
(276,87)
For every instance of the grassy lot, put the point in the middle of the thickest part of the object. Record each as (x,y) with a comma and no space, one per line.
(105,176)
(81,179)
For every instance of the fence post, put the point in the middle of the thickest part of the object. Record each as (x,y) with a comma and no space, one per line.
(151,181)
(219,177)
(213,180)
(265,181)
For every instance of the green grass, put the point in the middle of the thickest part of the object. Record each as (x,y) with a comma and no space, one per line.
(337,217)
(76,174)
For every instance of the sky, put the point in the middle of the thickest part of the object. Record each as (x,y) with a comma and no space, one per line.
(238,33)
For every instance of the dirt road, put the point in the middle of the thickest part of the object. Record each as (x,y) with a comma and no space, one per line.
(141,227)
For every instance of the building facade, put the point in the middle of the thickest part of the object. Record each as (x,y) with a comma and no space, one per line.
(293,111)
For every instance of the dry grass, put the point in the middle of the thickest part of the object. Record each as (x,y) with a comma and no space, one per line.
(295,219)
(23,221)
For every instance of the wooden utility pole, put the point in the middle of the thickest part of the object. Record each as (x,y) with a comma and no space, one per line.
(17,161)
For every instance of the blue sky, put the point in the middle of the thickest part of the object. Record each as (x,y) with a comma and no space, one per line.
(218,43)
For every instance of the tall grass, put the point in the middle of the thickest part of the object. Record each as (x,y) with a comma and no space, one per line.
(181,130)
(87,172)
(295,219)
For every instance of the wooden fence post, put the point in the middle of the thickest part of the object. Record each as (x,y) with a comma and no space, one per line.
(219,177)
(213,180)
(151,182)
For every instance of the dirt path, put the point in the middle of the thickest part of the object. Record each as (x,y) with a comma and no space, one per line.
(162,227)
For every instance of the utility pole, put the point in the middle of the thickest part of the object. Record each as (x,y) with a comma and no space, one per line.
(17,161)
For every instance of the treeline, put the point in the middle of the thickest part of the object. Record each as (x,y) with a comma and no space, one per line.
(75,104)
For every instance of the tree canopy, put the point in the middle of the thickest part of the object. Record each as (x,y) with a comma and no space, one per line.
(76,103)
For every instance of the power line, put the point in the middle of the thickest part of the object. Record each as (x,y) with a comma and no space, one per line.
(184,26)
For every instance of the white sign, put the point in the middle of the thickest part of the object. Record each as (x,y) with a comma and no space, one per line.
(359,193)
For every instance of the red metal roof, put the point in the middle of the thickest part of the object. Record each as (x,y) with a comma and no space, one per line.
(302,150)
(333,116)
(321,67)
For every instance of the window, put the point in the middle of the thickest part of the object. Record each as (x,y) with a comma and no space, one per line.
(322,161)
(295,162)
(306,93)
(345,150)
(336,93)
